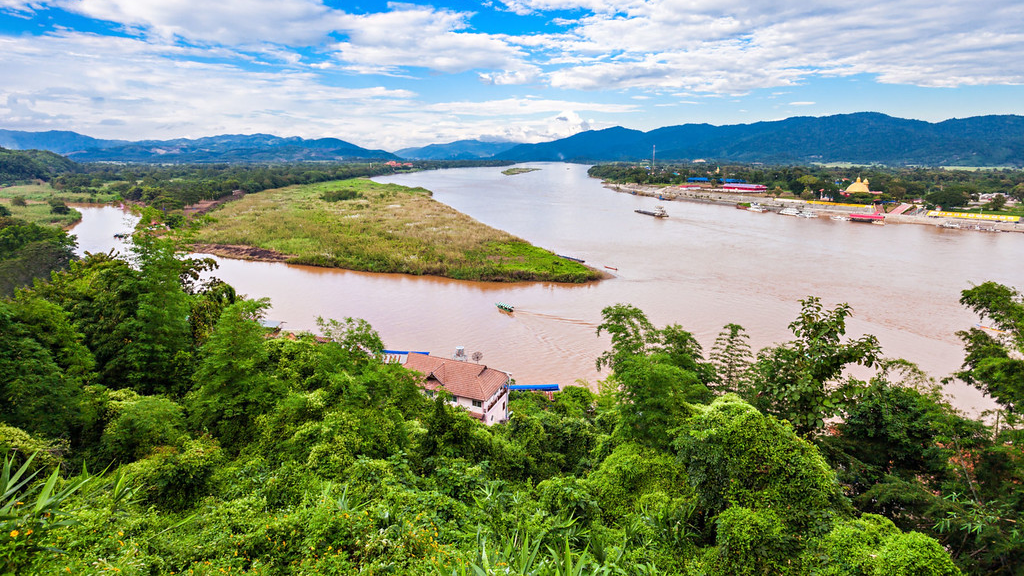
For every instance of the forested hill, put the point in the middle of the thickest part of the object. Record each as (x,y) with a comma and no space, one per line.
(23,165)
(59,141)
(231,148)
(862,138)
(234,148)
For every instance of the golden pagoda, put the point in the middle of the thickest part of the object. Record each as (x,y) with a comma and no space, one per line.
(859,186)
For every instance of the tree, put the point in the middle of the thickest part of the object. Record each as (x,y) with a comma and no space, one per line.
(630,331)
(678,347)
(992,359)
(731,358)
(159,350)
(798,380)
(652,399)
(234,386)
(949,197)
(998,202)
(43,366)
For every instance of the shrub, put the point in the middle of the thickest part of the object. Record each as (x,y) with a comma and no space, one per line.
(339,195)
(176,479)
(140,426)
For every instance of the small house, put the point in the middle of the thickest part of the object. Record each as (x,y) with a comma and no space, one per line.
(481,390)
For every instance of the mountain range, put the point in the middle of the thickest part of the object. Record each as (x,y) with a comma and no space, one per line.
(861,138)
(232,148)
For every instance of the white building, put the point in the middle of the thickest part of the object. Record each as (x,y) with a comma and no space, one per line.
(481,390)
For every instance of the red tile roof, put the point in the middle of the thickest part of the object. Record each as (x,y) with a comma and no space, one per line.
(463,379)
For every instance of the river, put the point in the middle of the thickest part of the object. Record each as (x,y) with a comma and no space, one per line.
(704,266)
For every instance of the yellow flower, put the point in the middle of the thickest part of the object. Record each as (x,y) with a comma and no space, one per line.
(14,533)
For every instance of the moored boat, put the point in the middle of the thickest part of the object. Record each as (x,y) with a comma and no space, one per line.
(755,207)
(838,218)
(789,211)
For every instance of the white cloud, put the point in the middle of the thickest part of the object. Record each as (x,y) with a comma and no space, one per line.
(96,81)
(525,106)
(802,103)
(416,36)
(733,47)
(226,22)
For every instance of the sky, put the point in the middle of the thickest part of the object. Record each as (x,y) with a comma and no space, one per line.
(390,75)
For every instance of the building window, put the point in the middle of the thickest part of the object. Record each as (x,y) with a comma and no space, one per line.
(430,393)
(478,404)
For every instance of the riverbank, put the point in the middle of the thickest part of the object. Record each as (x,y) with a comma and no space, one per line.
(365,226)
(714,196)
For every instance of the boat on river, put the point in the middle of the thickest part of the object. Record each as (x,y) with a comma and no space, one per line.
(807,214)
(789,211)
(755,207)
(505,307)
(658,212)
(839,218)
(580,260)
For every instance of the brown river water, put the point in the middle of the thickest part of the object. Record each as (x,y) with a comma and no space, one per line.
(704,266)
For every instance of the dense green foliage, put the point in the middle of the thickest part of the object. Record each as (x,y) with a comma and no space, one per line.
(182,439)
(29,251)
(26,165)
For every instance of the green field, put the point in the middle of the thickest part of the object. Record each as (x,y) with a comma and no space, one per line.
(382,228)
(39,213)
(43,192)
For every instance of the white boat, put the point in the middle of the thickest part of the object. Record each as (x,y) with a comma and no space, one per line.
(807,214)
(789,212)
(840,218)
(950,224)
(755,207)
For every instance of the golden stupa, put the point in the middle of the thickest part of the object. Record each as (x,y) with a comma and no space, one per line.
(858,186)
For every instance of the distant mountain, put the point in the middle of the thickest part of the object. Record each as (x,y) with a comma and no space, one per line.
(59,141)
(236,148)
(862,138)
(458,150)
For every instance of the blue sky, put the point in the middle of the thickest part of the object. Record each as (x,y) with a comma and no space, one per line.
(396,74)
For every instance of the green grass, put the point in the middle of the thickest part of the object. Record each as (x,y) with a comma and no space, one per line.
(44,192)
(39,213)
(386,228)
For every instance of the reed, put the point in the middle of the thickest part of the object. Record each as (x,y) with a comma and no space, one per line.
(385,228)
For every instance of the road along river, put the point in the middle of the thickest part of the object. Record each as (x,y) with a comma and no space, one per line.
(702,267)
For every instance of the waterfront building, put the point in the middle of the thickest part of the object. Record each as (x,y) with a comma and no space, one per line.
(481,390)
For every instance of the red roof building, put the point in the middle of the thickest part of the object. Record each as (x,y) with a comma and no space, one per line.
(481,390)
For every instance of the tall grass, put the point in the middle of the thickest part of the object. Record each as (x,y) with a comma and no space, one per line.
(386,228)
(39,213)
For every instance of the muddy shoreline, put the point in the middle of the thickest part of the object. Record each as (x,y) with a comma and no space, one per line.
(713,196)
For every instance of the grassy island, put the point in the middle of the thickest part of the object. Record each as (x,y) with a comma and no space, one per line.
(514,171)
(362,225)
